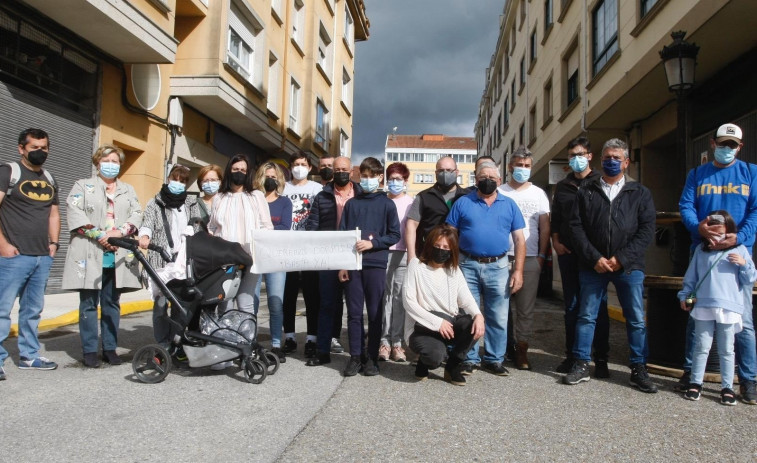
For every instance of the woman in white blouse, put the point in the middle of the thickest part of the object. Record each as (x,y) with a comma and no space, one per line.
(237,212)
(440,308)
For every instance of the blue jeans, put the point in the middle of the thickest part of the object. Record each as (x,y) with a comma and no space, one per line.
(332,309)
(109,299)
(571,289)
(489,284)
(24,277)
(746,348)
(274,288)
(704,330)
(629,287)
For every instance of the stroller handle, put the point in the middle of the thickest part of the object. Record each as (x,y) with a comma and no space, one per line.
(133,245)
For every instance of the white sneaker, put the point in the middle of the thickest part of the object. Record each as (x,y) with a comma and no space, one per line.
(336,346)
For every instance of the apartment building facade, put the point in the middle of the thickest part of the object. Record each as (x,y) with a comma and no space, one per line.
(177,81)
(421,152)
(564,68)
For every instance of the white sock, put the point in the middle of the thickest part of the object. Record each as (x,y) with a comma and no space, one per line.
(311,338)
(289,335)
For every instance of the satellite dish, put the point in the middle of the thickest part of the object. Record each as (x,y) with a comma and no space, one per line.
(145,82)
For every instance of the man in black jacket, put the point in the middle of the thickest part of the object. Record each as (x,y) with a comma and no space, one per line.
(324,216)
(612,224)
(579,159)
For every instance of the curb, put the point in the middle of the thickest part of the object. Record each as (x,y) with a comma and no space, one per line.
(72,317)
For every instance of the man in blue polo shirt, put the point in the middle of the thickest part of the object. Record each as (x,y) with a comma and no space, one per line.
(485,219)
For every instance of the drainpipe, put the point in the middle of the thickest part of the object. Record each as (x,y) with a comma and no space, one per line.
(584,103)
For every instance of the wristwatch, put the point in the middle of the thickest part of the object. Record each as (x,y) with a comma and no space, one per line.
(57,245)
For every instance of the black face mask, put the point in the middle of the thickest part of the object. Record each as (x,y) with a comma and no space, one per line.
(327,173)
(270,184)
(37,157)
(486,186)
(440,255)
(341,178)
(238,178)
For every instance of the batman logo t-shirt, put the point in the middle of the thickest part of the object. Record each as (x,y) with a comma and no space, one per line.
(25,212)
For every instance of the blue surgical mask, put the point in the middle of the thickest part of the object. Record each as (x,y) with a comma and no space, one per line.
(611,167)
(578,163)
(211,188)
(369,185)
(396,186)
(724,154)
(109,169)
(176,188)
(521,174)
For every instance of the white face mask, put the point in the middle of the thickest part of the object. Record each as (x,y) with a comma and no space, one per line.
(300,172)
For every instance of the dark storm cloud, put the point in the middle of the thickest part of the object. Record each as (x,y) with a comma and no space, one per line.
(422,69)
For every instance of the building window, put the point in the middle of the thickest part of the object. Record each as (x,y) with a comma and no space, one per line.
(522,71)
(512,95)
(507,66)
(325,52)
(533,46)
(512,40)
(532,124)
(522,11)
(344,144)
(647,5)
(507,112)
(245,46)
(349,28)
(424,178)
(321,124)
(346,89)
(499,128)
(274,84)
(548,18)
(570,65)
(522,133)
(548,101)
(276,6)
(294,106)
(604,33)
(298,23)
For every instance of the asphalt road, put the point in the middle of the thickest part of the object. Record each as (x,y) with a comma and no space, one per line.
(314,414)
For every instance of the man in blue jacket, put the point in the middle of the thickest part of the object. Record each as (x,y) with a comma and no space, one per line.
(730,184)
(612,224)
(375,215)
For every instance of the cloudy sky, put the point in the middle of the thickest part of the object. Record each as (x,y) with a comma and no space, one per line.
(422,70)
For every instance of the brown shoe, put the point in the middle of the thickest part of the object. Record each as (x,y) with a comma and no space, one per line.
(398,354)
(384,352)
(521,357)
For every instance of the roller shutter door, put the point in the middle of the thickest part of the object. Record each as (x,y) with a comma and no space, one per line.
(71,147)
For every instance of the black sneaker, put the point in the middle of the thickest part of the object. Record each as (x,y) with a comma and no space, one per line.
(310,349)
(91,361)
(421,371)
(683,382)
(279,352)
(319,359)
(454,377)
(601,370)
(640,378)
(371,368)
(565,365)
(466,369)
(290,345)
(110,356)
(578,373)
(693,392)
(727,397)
(354,366)
(495,368)
(2,374)
(748,391)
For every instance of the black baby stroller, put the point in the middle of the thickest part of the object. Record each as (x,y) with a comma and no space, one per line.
(214,269)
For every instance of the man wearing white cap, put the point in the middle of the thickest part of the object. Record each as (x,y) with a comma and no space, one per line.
(730,184)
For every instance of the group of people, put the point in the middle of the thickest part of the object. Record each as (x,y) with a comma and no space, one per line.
(440,271)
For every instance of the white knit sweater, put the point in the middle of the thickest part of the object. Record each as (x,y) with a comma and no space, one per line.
(428,289)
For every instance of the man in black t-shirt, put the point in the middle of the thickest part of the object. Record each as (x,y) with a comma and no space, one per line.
(29,229)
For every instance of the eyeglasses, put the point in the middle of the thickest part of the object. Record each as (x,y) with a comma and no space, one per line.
(728,144)
(580,153)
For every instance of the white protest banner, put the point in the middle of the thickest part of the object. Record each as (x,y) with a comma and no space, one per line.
(291,251)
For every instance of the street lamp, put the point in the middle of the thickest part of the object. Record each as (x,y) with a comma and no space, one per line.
(680,60)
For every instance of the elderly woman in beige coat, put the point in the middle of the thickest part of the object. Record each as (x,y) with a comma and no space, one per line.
(99,208)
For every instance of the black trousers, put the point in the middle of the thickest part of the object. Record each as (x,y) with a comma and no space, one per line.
(308,281)
(433,349)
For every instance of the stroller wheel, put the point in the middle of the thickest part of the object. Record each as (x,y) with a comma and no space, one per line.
(151,364)
(271,361)
(255,371)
